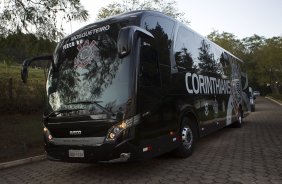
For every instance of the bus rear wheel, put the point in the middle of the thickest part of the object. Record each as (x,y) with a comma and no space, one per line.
(188,137)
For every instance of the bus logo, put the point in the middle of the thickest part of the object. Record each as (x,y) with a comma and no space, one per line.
(75,132)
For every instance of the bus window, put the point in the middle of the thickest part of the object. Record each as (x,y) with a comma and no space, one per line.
(149,70)
(162,29)
(183,49)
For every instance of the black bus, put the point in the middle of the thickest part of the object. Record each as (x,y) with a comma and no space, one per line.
(135,86)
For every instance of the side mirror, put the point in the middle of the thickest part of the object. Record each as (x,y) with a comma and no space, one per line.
(27,62)
(126,37)
(124,42)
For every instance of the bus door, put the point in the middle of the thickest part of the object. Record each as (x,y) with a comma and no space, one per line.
(150,88)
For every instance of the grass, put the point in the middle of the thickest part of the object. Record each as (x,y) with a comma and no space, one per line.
(14,71)
(277,97)
(24,98)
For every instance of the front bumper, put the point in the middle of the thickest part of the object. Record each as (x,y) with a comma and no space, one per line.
(124,151)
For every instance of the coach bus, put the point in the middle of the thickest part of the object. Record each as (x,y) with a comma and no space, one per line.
(135,86)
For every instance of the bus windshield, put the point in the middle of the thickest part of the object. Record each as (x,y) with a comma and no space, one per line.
(87,73)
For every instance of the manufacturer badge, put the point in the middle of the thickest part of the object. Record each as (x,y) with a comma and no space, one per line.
(75,132)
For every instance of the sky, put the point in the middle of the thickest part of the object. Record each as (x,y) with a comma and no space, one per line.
(243,18)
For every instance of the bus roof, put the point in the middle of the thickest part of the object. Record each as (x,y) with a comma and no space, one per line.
(140,13)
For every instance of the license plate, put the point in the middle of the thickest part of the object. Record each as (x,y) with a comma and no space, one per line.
(76,153)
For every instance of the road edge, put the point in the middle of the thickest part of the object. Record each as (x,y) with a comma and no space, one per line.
(6,165)
(273,100)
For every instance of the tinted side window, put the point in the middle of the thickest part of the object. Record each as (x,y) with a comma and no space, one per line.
(149,70)
(162,29)
(184,49)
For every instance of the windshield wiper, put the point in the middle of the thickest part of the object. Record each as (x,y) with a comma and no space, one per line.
(56,112)
(93,102)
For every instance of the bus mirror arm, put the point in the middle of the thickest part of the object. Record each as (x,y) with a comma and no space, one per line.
(126,37)
(27,62)
(24,71)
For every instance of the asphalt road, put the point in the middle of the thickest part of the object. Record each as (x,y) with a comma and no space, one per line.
(252,154)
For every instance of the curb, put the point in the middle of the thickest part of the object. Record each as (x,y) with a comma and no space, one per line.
(22,161)
(273,100)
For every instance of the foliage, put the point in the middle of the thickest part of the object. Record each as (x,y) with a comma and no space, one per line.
(253,43)
(39,16)
(168,7)
(228,41)
(17,47)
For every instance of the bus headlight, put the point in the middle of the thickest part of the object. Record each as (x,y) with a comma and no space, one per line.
(116,130)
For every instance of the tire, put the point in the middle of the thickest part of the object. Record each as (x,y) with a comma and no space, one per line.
(239,122)
(252,108)
(188,137)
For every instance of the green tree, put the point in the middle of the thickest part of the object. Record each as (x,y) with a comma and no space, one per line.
(39,16)
(168,7)
(270,61)
(19,46)
(229,42)
(253,43)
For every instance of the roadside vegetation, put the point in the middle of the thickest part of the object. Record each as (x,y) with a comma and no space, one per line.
(276,96)
(18,97)
(20,112)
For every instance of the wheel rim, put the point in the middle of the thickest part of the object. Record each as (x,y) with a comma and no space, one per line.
(240,118)
(187,137)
